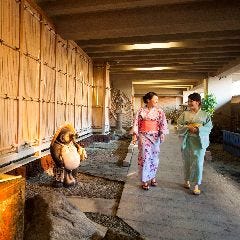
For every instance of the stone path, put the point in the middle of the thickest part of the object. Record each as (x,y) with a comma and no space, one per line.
(169,211)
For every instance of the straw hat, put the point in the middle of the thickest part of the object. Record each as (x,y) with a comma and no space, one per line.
(66,125)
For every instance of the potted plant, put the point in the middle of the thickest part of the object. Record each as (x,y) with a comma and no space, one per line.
(209,104)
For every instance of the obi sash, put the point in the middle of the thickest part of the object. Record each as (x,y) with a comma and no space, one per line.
(149,126)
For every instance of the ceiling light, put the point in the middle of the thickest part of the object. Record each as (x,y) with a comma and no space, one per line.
(155,45)
(152,68)
(137,82)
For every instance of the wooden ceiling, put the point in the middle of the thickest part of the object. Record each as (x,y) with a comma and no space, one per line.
(205,37)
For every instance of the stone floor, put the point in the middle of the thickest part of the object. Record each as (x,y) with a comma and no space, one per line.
(169,211)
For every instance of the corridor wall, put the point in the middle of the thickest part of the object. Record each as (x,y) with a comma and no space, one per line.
(44,80)
(101,98)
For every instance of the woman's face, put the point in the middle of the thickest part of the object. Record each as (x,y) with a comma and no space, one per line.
(193,104)
(153,102)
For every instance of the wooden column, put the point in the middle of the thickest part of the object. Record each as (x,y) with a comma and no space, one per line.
(205,86)
(100,98)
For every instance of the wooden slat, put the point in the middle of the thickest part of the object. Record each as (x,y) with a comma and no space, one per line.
(48,46)
(10,22)
(31,31)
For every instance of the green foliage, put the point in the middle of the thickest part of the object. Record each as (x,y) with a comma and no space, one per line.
(209,103)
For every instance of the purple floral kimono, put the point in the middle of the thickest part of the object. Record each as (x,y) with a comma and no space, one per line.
(149,141)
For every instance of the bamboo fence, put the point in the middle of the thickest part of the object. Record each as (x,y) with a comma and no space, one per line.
(44,79)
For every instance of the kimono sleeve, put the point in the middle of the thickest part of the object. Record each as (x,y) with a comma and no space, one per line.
(181,125)
(136,123)
(163,124)
(206,128)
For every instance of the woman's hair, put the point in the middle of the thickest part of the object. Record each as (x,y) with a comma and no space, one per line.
(195,97)
(148,96)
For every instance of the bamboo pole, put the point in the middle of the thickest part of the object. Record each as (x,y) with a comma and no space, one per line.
(20,100)
(55,88)
(66,90)
(1,21)
(40,93)
(75,88)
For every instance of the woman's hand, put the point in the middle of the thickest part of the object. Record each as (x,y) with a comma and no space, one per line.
(192,129)
(134,139)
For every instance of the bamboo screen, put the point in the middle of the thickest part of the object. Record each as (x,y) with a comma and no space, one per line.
(71,83)
(48,77)
(85,95)
(44,79)
(31,32)
(29,84)
(90,95)
(97,102)
(10,20)
(48,45)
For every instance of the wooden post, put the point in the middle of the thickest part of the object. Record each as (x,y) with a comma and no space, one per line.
(205,85)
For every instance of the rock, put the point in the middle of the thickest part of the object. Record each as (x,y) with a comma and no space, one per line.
(112,235)
(49,216)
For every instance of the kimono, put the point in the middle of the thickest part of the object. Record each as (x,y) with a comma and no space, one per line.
(194,146)
(148,125)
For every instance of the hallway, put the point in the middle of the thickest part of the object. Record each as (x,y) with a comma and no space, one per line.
(171,212)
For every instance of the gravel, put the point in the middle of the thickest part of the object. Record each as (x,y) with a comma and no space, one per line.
(88,186)
(225,163)
(112,222)
(100,176)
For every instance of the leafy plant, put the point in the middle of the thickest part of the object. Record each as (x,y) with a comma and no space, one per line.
(209,104)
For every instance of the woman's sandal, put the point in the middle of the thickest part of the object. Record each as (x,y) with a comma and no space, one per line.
(145,186)
(196,192)
(186,185)
(154,183)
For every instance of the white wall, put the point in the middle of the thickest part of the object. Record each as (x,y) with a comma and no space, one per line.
(221,87)
(179,100)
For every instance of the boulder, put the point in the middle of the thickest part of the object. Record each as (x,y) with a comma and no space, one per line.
(49,216)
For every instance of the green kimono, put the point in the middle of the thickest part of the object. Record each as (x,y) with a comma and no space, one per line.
(194,145)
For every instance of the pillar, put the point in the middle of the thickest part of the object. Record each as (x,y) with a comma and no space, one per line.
(101,98)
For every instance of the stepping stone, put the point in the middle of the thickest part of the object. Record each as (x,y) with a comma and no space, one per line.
(96,205)
(127,160)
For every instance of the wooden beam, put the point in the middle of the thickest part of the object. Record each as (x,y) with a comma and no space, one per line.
(179,18)
(169,51)
(172,61)
(157,76)
(189,56)
(208,35)
(66,7)
(182,44)
(230,68)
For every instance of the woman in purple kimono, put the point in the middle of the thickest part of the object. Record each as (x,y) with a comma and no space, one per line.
(150,127)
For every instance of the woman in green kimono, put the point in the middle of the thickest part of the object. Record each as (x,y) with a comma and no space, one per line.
(194,126)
